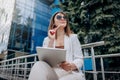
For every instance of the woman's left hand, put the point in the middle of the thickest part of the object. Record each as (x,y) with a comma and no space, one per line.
(68,66)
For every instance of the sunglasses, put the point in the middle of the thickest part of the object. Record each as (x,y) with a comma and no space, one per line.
(60,17)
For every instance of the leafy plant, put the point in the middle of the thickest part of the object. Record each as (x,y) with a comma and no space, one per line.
(95,20)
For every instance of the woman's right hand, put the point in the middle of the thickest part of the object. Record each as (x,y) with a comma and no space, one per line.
(66,66)
(51,34)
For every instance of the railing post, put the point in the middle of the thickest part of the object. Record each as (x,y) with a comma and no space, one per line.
(11,70)
(25,68)
(94,64)
(18,64)
(102,68)
(4,68)
(15,69)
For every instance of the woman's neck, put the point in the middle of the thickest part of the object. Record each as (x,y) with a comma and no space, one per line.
(60,32)
(60,37)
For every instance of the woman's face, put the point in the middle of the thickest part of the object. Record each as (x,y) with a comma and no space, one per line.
(60,20)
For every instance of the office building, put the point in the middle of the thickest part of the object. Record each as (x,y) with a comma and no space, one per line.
(6,11)
(24,24)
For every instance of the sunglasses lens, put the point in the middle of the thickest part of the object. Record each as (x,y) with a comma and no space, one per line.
(60,17)
(64,17)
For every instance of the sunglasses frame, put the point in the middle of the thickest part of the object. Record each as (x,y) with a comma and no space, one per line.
(59,17)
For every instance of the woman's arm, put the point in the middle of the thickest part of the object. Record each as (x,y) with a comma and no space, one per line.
(77,52)
(48,42)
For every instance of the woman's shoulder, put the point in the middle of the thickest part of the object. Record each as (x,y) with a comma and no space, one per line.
(46,38)
(73,35)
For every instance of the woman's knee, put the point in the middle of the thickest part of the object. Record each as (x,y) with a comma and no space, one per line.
(44,70)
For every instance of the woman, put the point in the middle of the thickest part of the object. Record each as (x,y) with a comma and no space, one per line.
(60,36)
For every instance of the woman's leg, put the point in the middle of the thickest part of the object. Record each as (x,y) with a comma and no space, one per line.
(42,71)
(73,76)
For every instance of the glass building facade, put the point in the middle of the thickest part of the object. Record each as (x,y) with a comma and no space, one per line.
(29,25)
(6,12)
(42,14)
(55,9)
(23,24)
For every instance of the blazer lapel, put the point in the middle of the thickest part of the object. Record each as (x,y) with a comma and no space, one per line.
(66,42)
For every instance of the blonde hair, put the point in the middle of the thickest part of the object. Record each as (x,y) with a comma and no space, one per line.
(52,25)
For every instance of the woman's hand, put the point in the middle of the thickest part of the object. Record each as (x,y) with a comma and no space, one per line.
(68,66)
(52,33)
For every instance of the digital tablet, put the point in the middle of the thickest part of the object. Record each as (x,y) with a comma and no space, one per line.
(52,56)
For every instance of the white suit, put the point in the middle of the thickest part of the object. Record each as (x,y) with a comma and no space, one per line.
(73,55)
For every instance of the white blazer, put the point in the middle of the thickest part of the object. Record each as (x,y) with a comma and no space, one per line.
(73,48)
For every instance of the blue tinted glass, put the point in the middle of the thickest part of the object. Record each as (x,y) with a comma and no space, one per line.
(30,24)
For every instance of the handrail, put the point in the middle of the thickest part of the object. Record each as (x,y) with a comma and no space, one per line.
(20,57)
(92,72)
(104,56)
(95,44)
(7,67)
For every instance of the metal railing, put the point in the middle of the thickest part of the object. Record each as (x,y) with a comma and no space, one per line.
(94,57)
(19,68)
(102,70)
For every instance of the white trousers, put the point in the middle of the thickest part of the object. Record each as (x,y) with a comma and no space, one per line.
(42,71)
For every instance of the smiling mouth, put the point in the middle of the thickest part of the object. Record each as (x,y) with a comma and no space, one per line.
(63,22)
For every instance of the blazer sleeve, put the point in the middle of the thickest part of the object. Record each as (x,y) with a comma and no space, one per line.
(45,42)
(77,52)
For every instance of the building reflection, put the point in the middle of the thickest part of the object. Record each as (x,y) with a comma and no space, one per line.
(29,25)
